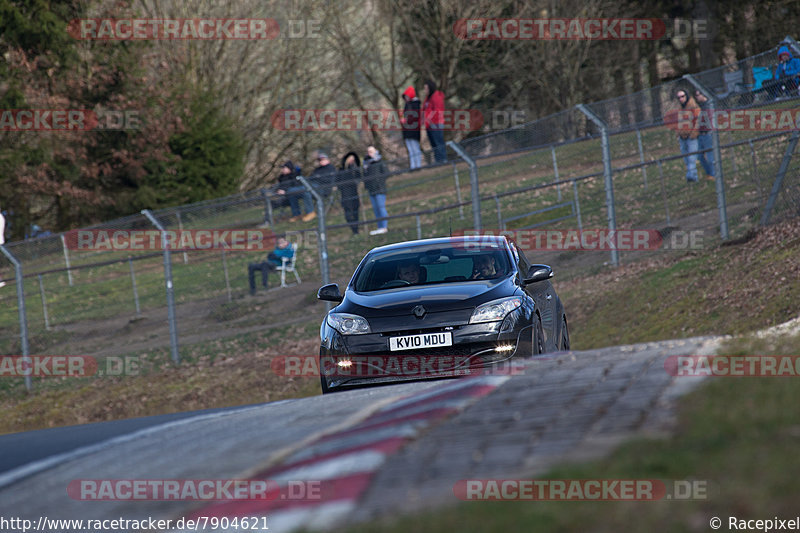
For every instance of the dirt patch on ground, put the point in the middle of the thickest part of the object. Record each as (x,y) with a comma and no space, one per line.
(243,376)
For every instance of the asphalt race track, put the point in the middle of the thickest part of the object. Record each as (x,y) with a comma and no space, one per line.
(376,451)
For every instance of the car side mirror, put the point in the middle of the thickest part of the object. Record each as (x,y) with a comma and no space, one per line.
(330,293)
(538,273)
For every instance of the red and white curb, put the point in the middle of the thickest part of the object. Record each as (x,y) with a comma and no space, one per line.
(344,462)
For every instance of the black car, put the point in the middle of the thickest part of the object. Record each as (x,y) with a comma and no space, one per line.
(437,307)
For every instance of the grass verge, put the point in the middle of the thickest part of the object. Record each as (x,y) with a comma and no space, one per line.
(725,290)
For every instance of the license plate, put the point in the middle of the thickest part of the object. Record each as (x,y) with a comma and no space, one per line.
(422,341)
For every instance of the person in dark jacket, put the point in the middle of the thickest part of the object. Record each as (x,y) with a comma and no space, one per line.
(375,183)
(704,140)
(322,179)
(293,190)
(347,181)
(411,127)
(433,117)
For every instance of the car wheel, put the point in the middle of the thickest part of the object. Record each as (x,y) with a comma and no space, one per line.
(322,379)
(537,337)
(564,334)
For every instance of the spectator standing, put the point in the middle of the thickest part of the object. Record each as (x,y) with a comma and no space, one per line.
(411,127)
(433,111)
(375,183)
(347,181)
(274,260)
(322,179)
(704,140)
(687,137)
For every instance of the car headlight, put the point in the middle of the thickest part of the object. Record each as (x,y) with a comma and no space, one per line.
(495,310)
(348,324)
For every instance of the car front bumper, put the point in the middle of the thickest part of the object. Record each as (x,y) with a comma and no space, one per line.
(348,360)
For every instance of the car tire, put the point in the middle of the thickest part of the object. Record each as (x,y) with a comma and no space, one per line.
(564,345)
(537,337)
(322,380)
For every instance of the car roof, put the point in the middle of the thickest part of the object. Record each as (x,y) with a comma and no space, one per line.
(483,239)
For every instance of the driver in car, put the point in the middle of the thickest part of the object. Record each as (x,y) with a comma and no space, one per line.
(483,267)
(409,271)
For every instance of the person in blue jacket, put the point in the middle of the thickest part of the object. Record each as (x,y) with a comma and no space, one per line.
(274,259)
(787,73)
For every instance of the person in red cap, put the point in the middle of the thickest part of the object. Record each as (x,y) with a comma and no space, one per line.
(433,111)
(411,127)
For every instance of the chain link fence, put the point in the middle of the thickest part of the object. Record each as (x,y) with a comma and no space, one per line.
(552,174)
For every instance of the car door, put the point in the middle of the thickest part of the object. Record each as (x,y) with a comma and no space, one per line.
(545,299)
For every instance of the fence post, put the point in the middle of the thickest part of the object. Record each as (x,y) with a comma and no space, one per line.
(577,205)
(612,215)
(135,290)
(23,317)
(663,190)
(66,259)
(321,233)
(458,191)
(173,326)
(227,278)
(44,303)
(267,207)
(721,207)
(499,214)
(180,230)
(555,170)
(641,156)
(473,178)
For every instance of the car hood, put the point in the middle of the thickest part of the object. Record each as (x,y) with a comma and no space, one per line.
(435,298)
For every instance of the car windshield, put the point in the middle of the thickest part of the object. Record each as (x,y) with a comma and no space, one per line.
(429,264)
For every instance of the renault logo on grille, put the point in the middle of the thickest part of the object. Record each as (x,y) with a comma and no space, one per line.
(419,311)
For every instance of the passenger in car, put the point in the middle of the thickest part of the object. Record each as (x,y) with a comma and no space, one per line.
(483,267)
